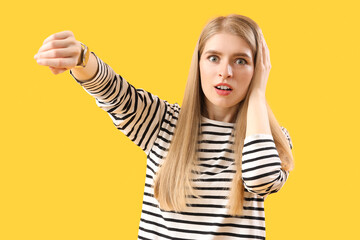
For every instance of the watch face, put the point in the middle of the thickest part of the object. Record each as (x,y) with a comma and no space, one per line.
(86,56)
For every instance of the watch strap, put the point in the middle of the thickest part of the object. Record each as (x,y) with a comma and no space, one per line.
(84,56)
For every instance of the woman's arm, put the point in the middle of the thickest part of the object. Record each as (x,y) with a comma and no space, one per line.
(257,116)
(135,112)
(261,165)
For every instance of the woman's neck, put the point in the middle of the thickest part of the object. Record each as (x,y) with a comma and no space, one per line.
(221,114)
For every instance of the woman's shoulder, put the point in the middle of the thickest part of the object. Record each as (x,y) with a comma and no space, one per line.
(171,112)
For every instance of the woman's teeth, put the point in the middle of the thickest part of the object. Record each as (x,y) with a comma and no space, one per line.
(223,88)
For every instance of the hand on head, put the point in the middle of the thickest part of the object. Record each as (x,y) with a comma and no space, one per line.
(263,66)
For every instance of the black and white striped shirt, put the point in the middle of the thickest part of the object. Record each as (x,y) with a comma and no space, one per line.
(150,122)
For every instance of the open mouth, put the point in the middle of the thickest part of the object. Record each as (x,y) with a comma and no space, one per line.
(223,89)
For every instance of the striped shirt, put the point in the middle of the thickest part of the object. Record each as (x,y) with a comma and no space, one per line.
(150,122)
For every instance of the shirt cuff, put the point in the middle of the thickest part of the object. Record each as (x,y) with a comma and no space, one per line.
(259,136)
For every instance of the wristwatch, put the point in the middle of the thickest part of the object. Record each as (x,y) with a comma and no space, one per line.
(84,56)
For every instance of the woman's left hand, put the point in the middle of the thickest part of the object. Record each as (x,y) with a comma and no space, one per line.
(263,66)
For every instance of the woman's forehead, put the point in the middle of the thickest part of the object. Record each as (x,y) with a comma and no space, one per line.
(226,43)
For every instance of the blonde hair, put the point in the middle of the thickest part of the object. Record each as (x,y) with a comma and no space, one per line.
(173,179)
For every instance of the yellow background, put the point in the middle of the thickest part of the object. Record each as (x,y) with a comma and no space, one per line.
(67,173)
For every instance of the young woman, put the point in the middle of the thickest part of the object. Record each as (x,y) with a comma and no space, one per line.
(210,164)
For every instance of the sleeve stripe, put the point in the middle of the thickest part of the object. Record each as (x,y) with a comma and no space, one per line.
(259,158)
(258,150)
(261,176)
(257,141)
(261,166)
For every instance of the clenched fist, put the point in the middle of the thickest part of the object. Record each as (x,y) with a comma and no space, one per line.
(60,52)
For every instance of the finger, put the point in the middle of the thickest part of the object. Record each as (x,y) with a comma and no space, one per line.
(57,70)
(58,35)
(264,51)
(57,62)
(266,54)
(58,53)
(259,54)
(54,44)
(262,38)
(264,42)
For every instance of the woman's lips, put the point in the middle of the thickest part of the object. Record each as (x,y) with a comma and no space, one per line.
(222,92)
(223,89)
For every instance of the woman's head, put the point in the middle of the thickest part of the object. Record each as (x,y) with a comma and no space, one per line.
(226,52)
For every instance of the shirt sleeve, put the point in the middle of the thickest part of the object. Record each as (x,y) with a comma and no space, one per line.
(261,165)
(135,112)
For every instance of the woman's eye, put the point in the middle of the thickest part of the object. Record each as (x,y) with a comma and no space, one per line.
(213,58)
(240,61)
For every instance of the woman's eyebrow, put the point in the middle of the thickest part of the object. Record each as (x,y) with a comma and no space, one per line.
(235,54)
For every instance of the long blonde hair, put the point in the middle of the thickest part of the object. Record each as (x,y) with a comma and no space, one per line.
(173,183)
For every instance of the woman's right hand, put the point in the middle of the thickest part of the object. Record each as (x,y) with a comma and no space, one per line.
(60,52)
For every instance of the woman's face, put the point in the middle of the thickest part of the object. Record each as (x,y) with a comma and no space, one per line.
(226,69)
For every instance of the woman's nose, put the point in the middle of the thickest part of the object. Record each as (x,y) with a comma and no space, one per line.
(226,71)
